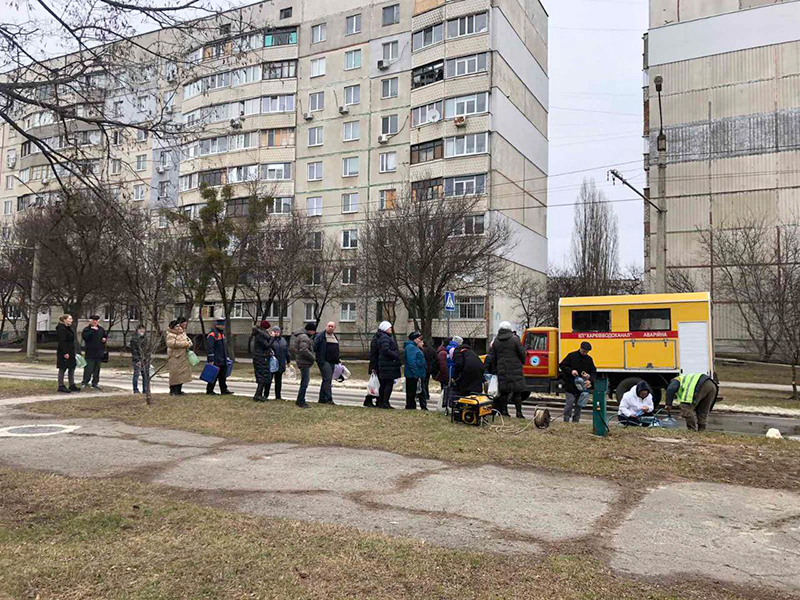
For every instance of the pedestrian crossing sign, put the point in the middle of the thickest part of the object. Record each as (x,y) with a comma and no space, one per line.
(450,301)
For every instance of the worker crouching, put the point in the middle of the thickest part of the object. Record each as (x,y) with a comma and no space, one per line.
(696,394)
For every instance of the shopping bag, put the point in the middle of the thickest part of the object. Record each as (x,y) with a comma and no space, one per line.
(192,357)
(105,357)
(80,362)
(210,372)
(494,386)
(274,365)
(291,373)
(228,367)
(373,385)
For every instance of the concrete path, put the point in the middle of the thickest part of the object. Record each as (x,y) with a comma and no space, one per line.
(772,387)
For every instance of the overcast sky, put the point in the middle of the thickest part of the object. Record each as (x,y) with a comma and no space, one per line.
(596,72)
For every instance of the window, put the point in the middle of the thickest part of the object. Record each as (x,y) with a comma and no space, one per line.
(391,51)
(389,125)
(280,37)
(8,206)
(471,225)
(242,173)
(427,37)
(280,206)
(352,24)
(212,178)
(276,171)
(470,307)
(468,25)
(315,171)
(314,276)
(243,141)
(430,113)
(141,102)
(310,311)
(351,131)
(141,135)
(273,308)
(391,15)
(276,104)
(9,182)
(427,74)
(273,138)
(319,33)
(317,67)
(349,276)
(350,239)
(352,95)
(352,60)
(116,166)
(316,101)
(389,88)
(141,162)
(426,189)
(464,145)
(280,69)
(350,166)
(314,241)
(466,65)
(591,320)
(348,312)
(163,158)
(286,13)
(388,162)
(314,206)
(650,319)
(465,186)
(315,136)
(350,202)
(239,207)
(163,190)
(138,192)
(246,75)
(466,105)
(387,199)
(426,152)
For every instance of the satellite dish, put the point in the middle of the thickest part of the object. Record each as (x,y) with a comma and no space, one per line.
(433,116)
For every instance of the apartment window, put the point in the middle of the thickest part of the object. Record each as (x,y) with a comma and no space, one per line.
(389,88)
(141,162)
(427,189)
(310,311)
(471,225)
(351,131)
(243,141)
(466,65)
(430,113)
(212,178)
(314,276)
(388,162)
(246,75)
(277,137)
(316,101)
(141,102)
(315,171)
(389,125)
(116,166)
(350,239)
(242,173)
(319,33)
(391,15)
(190,90)
(350,202)
(9,182)
(276,310)
(141,135)
(163,158)
(387,199)
(286,13)
(466,105)
(352,95)
(391,51)
(347,313)
(8,206)
(352,24)
(280,37)
(280,206)
(468,25)
(138,192)
(315,136)
(314,206)
(238,207)
(465,186)
(349,276)
(426,152)
(464,145)
(276,104)
(163,190)
(280,69)
(427,74)
(317,67)
(350,166)
(471,307)
(352,60)
(427,37)
(314,241)
(276,171)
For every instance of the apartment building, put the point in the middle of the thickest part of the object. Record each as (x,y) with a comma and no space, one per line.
(731,106)
(339,107)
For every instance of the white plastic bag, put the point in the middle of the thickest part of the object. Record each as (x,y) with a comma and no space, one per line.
(373,385)
(291,374)
(494,386)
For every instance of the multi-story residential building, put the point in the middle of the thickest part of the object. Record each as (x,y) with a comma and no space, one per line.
(338,107)
(731,105)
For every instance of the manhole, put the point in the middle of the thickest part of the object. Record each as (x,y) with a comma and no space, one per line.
(36,430)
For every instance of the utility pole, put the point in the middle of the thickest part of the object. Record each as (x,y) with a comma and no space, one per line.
(33,310)
(661,224)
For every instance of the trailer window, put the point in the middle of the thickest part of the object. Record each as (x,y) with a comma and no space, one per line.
(591,320)
(650,319)
(536,341)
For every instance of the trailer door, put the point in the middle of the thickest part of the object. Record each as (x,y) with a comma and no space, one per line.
(693,342)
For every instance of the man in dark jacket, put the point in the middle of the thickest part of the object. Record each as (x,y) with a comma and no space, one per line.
(262,350)
(217,355)
(432,370)
(139,354)
(506,358)
(576,364)
(304,357)
(94,340)
(389,363)
(281,349)
(467,371)
(326,350)
(65,354)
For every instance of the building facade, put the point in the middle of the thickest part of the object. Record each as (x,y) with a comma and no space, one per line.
(731,106)
(338,107)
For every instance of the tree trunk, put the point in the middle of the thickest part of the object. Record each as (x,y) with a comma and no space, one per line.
(794,381)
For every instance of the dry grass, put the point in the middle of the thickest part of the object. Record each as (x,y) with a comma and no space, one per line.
(752,372)
(16,388)
(631,454)
(734,396)
(118,539)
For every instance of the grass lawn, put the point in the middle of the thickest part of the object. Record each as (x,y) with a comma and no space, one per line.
(119,539)
(114,361)
(629,455)
(753,372)
(15,388)
(734,396)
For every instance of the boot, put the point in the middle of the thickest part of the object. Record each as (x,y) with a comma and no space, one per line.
(74,388)
(368,401)
(179,390)
(519,411)
(63,389)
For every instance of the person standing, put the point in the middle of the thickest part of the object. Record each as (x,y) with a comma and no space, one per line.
(140,359)
(369,399)
(217,353)
(467,371)
(507,357)
(304,357)
(65,354)
(696,394)
(326,350)
(415,370)
(94,340)
(178,345)
(431,371)
(262,351)
(389,363)
(281,349)
(576,364)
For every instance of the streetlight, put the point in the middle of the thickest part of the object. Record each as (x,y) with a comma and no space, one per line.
(661,215)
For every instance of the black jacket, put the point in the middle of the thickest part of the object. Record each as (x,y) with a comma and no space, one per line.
(506,357)
(321,350)
(93,342)
(389,362)
(575,361)
(467,371)
(138,347)
(431,360)
(216,349)
(262,350)
(66,345)
(373,354)
(281,349)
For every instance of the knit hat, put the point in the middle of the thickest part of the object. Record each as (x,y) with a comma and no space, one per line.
(505,325)
(264,324)
(586,346)
(414,335)
(385,326)
(275,329)
(458,339)
(310,327)
(220,321)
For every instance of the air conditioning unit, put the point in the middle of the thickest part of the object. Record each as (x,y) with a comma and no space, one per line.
(308,116)
(383,138)
(169,109)
(383,64)
(343,110)
(161,169)
(11,160)
(460,121)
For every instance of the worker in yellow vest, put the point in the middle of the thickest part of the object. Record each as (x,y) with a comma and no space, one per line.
(696,394)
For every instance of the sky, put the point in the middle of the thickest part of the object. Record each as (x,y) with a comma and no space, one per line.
(595,69)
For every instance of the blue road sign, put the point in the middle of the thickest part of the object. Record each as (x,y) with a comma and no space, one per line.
(450,301)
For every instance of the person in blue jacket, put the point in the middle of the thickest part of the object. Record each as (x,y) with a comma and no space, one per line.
(217,353)
(415,370)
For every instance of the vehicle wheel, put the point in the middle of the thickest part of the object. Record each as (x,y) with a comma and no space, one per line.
(624,386)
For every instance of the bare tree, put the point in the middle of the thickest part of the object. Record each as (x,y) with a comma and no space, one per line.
(322,276)
(529,294)
(15,276)
(679,280)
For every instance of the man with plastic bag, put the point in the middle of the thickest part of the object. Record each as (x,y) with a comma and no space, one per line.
(506,359)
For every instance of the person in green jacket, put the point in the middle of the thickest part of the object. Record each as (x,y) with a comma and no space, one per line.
(696,394)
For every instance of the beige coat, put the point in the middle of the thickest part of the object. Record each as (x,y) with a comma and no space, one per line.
(178,343)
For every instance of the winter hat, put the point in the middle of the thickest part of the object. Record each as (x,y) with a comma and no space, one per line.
(310,327)
(220,321)
(414,335)
(264,324)
(586,346)
(385,326)
(275,329)
(505,325)
(458,339)
(94,317)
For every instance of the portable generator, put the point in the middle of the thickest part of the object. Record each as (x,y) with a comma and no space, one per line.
(471,410)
